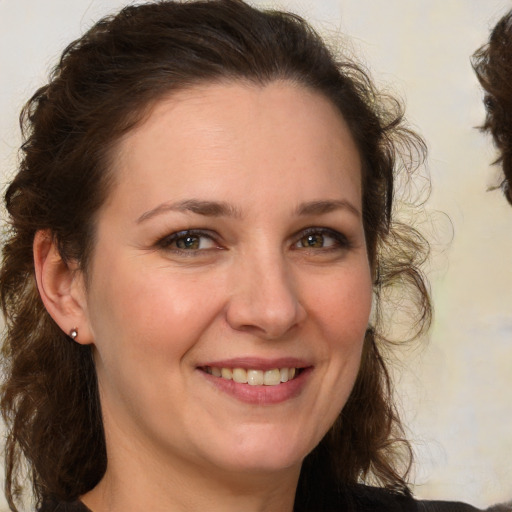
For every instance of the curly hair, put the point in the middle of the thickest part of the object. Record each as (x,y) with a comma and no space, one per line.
(104,85)
(493,66)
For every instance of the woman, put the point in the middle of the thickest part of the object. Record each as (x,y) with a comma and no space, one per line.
(203,215)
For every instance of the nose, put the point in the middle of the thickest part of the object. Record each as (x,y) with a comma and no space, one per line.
(264,299)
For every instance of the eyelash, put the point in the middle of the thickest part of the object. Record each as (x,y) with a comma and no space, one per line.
(167,241)
(341,241)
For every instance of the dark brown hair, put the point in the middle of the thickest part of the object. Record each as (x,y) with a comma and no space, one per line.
(105,83)
(493,66)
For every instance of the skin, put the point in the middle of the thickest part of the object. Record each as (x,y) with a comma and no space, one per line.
(251,286)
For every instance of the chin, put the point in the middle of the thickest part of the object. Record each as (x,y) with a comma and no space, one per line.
(263,463)
(255,454)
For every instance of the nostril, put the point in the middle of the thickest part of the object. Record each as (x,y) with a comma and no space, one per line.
(264,300)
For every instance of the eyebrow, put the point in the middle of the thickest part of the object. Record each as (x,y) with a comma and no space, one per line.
(324,207)
(206,208)
(222,209)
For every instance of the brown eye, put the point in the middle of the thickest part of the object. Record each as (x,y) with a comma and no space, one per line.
(188,242)
(321,238)
(312,241)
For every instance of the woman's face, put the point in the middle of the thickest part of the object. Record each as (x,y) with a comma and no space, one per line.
(232,244)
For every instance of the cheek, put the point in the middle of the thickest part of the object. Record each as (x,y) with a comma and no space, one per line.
(343,311)
(343,306)
(145,325)
(146,312)
(340,310)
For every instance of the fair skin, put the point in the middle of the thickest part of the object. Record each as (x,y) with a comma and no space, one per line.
(232,239)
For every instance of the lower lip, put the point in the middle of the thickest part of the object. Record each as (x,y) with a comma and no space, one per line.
(261,395)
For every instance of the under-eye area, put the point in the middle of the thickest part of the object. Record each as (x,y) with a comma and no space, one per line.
(254,377)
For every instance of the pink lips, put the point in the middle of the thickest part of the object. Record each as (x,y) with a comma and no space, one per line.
(260,395)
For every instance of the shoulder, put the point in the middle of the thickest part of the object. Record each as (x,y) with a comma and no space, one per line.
(62,506)
(369,499)
(451,506)
(361,498)
(365,498)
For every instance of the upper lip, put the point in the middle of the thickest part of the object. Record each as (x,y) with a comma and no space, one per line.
(258,363)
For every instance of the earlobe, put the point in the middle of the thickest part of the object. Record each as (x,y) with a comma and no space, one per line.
(61,288)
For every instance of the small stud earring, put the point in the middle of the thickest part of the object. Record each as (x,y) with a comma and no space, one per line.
(73,333)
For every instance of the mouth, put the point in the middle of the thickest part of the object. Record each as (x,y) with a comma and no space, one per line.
(259,381)
(254,376)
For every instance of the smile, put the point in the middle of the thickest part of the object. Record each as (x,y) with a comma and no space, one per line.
(254,377)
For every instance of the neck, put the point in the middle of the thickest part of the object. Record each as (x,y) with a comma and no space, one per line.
(134,483)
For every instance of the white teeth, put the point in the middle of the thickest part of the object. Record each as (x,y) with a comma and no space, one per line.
(253,377)
(226,373)
(239,375)
(272,377)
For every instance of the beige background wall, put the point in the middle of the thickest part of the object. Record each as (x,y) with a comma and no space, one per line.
(455,391)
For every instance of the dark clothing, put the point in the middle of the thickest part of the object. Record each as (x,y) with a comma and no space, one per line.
(360,499)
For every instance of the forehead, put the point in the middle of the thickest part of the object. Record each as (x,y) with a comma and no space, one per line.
(232,132)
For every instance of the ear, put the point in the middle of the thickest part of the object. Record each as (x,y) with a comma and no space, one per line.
(61,287)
